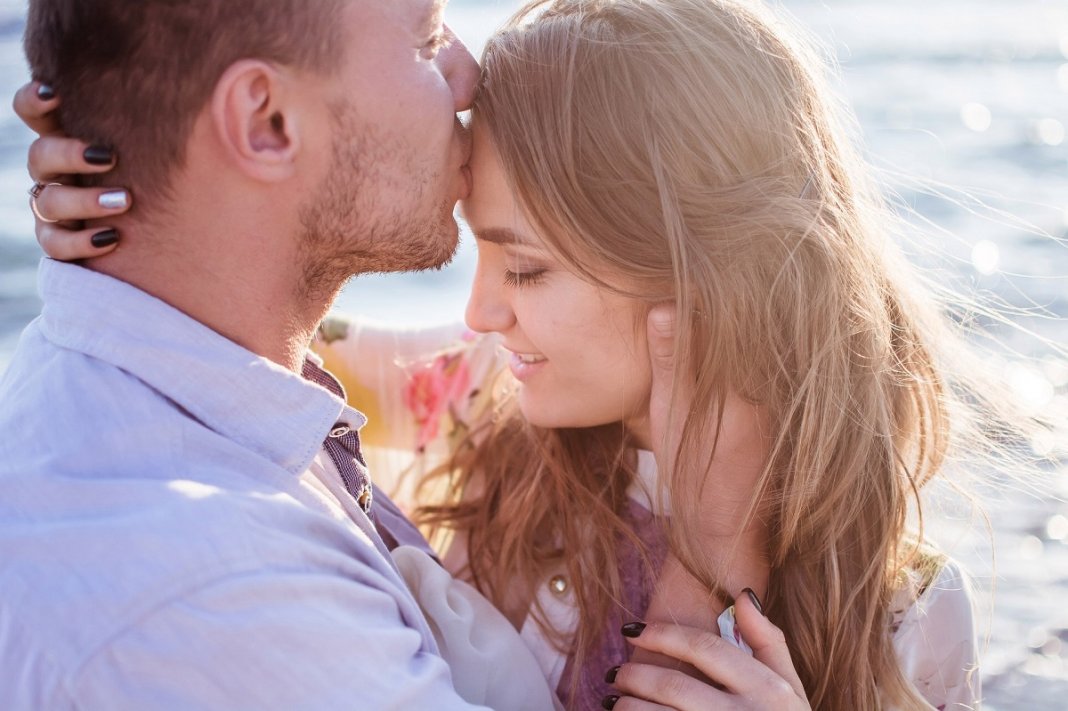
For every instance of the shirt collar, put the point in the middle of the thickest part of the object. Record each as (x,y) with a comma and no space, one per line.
(234,392)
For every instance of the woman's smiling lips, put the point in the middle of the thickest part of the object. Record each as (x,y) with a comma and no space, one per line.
(525,365)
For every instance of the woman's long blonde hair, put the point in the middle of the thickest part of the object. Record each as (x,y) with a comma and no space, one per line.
(690,149)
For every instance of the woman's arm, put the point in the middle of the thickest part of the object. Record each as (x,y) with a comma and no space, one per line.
(421,389)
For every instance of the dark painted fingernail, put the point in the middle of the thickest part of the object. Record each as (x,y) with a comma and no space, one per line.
(98,155)
(755,599)
(633,629)
(610,675)
(104,238)
(609,702)
(45,92)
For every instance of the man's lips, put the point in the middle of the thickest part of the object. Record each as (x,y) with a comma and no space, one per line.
(466,138)
(466,142)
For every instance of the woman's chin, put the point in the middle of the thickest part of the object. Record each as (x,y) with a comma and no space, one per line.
(540,418)
(551,415)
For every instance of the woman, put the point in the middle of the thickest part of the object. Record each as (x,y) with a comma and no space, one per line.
(635,152)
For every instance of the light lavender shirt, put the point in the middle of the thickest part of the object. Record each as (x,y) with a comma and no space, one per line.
(171,534)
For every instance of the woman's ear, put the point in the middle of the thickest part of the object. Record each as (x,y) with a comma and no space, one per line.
(255,120)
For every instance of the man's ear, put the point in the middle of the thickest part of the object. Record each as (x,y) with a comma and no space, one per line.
(256,120)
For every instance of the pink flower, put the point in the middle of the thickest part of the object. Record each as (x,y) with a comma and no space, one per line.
(433,390)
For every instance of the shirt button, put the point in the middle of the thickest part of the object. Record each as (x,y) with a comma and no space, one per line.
(340,430)
(558,584)
(364,500)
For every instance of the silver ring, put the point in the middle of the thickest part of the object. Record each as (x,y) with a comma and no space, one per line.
(35,192)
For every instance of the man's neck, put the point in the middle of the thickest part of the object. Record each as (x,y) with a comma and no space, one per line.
(245,288)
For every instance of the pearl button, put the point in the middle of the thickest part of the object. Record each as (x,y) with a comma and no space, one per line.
(340,430)
(558,584)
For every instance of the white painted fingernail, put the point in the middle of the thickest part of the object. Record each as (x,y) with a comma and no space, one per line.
(115,200)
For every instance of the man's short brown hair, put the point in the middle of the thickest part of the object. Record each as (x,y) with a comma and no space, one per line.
(134,74)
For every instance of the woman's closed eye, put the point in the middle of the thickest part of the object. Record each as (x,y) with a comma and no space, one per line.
(529,277)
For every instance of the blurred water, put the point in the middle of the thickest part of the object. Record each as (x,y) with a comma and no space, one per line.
(963,105)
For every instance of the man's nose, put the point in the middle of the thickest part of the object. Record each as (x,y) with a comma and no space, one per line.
(461,71)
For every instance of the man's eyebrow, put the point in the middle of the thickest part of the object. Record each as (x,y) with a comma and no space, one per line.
(502,236)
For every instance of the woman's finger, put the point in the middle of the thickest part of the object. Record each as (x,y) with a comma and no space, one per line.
(766,640)
(35,104)
(62,202)
(68,245)
(630,703)
(709,653)
(668,687)
(52,156)
(717,659)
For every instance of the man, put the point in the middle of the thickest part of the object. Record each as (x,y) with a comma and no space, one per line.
(186,520)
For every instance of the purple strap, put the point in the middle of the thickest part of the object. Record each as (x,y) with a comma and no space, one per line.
(637,588)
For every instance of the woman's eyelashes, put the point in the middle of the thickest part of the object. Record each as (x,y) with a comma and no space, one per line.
(528,277)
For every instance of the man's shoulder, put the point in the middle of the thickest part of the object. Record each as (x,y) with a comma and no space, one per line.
(67,414)
(129,527)
(100,469)
(122,512)
(84,566)
(47,383)
(105,593)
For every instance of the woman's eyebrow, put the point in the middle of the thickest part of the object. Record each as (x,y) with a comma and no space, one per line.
(503,236)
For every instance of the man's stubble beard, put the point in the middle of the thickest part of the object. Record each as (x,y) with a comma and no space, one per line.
(346,229)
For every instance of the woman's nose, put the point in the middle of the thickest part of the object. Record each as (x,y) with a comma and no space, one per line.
(487,311)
